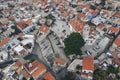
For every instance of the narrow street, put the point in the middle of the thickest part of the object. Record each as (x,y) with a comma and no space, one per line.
(37,51)
(57,50)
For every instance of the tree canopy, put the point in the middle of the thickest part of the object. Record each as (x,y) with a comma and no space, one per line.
(73,44)
(105,73)
(17,31)
(69,76)
(112,69)
(98,76)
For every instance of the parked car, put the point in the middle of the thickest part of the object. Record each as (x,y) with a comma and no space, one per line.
(88,53)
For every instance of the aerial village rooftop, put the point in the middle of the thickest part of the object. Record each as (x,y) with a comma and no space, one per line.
(33,34)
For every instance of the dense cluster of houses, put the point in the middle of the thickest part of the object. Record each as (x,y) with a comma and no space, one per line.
(23,23)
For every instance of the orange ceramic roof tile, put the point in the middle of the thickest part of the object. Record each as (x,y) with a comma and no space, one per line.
(81,15)
(60,61)
(21,24)
(44,2)
(101,26)
(18,63)
(117,41)
(117,14)
(62,3)
(88,63)
(65,14)
(118,20)
(81,4)
(22,52)
(12,19)
(30,69)
(92,11)
(19,70)
(48,76)
(114,29)
(28,22)
(26,74)
(116,61)
(77,24)
(105,11)
(87,7)
(4,41)
(35,1)
(44,28)
(57,1)
(40,70)
(36,68)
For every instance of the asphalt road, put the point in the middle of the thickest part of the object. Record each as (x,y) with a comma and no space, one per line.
(38,54)
(37,51)
(57,50)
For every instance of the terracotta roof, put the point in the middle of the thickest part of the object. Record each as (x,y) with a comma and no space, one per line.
(35,68)
(81,15)
(12,19)
(44,2)
(28,22)
(35,1)
(113,29)
(105,11)
(60,61)
(117,14)
(118,20)
(26,74)
(48,76)
(101,26)
(22,52)
(60,8)
(18,63)
(65,14)
(30,69)
(116,61)
(92,11)
(57,1)
(117,41)
(81,4)
(4,41)
(87,7)
(19,70)
(44,28)
(88,63)
(41,69)
(21,24)
(77,24)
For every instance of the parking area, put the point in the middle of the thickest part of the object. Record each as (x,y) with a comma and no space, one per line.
(92,50)
(58,48)
(46,48)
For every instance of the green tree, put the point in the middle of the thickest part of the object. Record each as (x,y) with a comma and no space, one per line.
(78,67)
(112,69)
(29,45)
(99,74)
(74,5)
(73,44)
(17,31)
(69,76)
